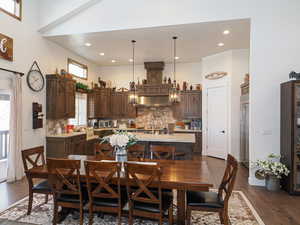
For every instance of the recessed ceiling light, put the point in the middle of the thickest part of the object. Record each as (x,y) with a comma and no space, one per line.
(113,61)
(226,32)
(176,57)
(221,44)
(101,53)
(130,60)
(88,44)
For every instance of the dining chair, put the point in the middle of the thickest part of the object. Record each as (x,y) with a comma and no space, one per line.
(162,152)
(136,151)
(33,158)
(104,195)
(64,178)
(214,201)
(103,150)
(144,200)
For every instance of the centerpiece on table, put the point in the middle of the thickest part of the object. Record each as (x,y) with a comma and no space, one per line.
(271,170)
(120,141)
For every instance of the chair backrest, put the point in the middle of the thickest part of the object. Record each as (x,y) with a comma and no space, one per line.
(229,177)
(103,150)
(99,177)
(143,177)
(64,176)
(162,151)
(136,151)
(33,157)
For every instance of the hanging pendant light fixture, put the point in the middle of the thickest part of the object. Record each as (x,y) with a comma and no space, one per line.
(174,95)
(133,98)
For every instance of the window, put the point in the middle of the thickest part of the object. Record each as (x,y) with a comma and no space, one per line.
(12,8)
(80,110)
(77,69)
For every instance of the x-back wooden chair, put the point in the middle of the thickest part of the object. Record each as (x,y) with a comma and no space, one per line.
(136,151)
(162,152)
(33,158)
(212,201)
(64,178)
(103,150)
(144,200)
(104,195)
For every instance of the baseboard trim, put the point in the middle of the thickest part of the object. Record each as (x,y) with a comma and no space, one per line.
(255,182)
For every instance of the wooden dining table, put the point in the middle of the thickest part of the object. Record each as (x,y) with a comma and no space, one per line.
(178,175)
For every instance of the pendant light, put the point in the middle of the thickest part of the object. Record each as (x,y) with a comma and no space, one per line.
(133,98)
(174,95)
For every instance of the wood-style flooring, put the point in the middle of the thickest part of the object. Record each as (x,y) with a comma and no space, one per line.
(274,208)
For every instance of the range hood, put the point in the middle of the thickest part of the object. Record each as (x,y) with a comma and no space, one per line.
(154,92)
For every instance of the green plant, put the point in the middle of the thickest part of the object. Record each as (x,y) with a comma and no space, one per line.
(271,167)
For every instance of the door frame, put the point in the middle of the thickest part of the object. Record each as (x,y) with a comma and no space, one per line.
(227,128)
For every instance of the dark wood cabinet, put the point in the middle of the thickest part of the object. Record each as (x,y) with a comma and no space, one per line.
(120,108)
(290,134)
(99,103)
(60,99)
(190,106)
(58,147)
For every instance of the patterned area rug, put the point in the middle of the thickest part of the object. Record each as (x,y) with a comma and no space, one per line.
(241,212)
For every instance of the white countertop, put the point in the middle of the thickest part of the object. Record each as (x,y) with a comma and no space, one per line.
(136,129)
(181,138)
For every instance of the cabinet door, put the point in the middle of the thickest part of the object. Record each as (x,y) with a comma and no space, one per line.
(60,100)
(195,106)
(129,111)
(79,145)
(91,105)
(116,105)
(70,98)
(105,103)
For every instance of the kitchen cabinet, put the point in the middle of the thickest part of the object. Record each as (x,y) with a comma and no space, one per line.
(59,147)
(60,98)
(120,108)
(190,106)
(99,103)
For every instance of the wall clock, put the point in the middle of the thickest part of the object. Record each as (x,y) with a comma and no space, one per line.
(35,78)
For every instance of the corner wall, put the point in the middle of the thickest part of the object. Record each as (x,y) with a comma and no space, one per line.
(29,45)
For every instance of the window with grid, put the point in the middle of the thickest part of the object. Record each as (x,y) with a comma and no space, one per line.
(12,8)
(80,110)
(77,69)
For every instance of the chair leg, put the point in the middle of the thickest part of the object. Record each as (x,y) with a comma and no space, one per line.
(55,213)
(81,214)
(161,219)
(46,198)
(188,216)
(226,217)
(171,215)
(119,217)
(30,200)
(130,219)
(221,215)
(91,215)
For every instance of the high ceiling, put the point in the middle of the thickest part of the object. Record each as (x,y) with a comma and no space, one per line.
(155,44)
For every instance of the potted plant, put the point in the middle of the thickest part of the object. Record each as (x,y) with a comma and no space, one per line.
(120,141)
(272,171)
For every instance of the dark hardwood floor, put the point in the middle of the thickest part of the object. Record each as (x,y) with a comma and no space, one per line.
(274,208)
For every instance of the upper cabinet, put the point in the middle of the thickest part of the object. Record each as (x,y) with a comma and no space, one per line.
(120,106)
(60,97)
(99,103)
(190,106)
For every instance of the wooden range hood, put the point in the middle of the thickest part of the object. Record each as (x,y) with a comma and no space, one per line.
(154,86)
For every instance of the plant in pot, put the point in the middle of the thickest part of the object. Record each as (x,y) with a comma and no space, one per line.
(120,141)
(271,170)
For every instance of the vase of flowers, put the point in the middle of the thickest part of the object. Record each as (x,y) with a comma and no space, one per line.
(120,141)
(272,171)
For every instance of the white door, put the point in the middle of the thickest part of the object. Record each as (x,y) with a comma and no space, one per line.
(217,122)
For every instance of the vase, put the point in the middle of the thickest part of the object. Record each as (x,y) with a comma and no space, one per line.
(272,183)
(121,154)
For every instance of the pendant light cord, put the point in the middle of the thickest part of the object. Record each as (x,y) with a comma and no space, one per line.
(174,60)
(133,61)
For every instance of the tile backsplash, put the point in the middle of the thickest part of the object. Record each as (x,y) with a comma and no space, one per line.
(155,117)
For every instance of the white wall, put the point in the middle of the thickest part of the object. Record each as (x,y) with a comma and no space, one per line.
(274,50)
(236,64)
(29,45)
(122,75)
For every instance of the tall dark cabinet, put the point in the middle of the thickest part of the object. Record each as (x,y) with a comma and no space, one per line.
(290,134)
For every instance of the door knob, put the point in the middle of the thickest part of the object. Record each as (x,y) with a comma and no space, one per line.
(223,131)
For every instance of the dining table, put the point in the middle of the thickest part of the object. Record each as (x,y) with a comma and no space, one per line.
(179,175)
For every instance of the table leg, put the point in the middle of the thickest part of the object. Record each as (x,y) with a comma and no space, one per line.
(181,205)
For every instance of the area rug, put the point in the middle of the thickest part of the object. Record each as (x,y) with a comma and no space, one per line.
(241,212)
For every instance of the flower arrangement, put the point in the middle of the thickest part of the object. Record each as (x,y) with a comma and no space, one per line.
(120,139)
(271,167)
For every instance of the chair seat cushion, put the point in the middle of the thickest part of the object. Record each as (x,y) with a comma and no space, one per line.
(111,202)
(69,198)
(43,186)
(204,199)
(167,200)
